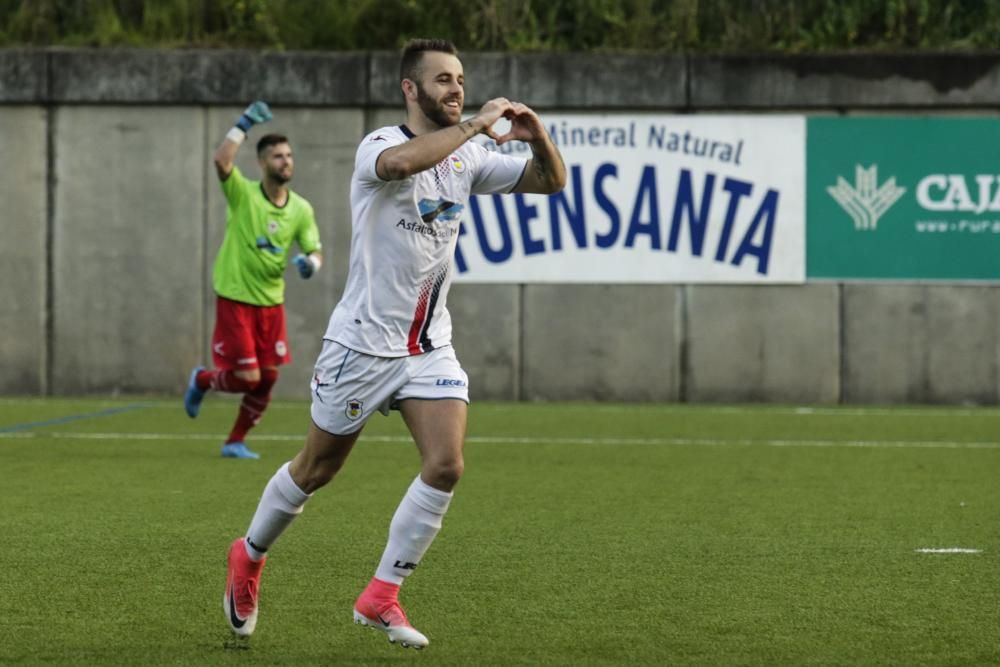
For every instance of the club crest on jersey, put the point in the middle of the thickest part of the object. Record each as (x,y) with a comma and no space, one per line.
(273,225)
(456,164)
(353,410)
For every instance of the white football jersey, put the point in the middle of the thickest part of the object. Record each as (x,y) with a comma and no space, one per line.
(403,242)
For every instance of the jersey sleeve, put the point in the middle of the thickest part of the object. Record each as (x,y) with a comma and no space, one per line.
(308,233)
(235,187)
(367,156)
(496,172)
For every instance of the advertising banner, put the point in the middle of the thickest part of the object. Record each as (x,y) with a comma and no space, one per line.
(650,199)
(914,198)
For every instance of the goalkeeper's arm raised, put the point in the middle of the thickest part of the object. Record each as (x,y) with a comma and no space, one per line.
(225,153)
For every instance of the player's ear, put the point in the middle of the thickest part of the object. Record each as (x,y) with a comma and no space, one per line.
(409,89)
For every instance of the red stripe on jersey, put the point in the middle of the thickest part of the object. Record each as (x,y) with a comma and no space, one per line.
(425,341)
(418,341)
(419,317)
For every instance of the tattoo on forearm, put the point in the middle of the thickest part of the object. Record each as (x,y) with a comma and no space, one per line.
(468,129)
(543,165)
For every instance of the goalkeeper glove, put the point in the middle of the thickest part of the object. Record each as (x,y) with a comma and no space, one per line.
(305,264)
(258,112)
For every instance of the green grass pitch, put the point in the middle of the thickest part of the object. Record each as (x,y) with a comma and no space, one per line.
(581,534)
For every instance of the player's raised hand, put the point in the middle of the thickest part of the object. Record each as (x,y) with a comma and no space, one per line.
(525,125)
(258,112)
(491,112)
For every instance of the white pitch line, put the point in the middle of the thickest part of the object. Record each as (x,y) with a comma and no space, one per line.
(695,409)
(678,408)
(524,440)
(948,550)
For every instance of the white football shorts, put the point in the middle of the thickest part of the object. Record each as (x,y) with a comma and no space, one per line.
(349,386)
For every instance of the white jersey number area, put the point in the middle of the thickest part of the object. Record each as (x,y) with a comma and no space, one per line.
(403,243)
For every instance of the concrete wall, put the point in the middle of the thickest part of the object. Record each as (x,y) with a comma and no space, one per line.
(920,343)
(112,217)
(763,343)
(23,253)
(607,342)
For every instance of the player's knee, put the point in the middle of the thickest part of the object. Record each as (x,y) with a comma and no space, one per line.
(445,473)
(312,473)
(268,377)
(248,380)
(314,481)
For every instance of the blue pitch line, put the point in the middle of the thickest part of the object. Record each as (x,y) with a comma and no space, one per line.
(72,418)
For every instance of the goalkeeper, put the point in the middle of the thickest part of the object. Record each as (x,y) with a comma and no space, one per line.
(262,220)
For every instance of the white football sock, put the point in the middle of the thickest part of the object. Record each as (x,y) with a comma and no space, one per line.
(281,502)
(416,522)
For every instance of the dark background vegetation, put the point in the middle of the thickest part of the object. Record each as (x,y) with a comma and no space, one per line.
(508,25)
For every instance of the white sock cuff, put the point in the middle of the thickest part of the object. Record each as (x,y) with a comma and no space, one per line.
(287,487)
(428,498)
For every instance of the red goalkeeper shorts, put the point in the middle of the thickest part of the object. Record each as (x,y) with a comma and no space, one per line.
(248,337)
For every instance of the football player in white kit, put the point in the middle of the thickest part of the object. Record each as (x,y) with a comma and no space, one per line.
(388,343)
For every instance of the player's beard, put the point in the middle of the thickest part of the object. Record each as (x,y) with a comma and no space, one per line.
(278,177)
(435,110)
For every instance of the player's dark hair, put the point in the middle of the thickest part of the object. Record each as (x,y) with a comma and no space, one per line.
(269,140)
(413,52)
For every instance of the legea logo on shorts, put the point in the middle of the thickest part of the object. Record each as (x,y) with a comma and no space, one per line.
(353,410)
(448,382)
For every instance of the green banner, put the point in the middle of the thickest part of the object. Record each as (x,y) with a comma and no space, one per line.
(907,198)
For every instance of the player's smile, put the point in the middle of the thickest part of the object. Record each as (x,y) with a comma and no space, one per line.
(453,107)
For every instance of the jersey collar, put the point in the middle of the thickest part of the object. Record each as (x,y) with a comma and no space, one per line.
(264,192)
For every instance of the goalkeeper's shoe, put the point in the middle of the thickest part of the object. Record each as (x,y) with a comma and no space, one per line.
(242,589)
(193,395)
(238,450)
(377,607)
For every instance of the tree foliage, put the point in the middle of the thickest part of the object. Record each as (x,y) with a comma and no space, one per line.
(508,25)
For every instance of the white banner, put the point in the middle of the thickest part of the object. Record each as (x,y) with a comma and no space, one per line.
(650,199)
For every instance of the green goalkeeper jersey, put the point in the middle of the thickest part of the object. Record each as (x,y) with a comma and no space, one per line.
(251,263)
